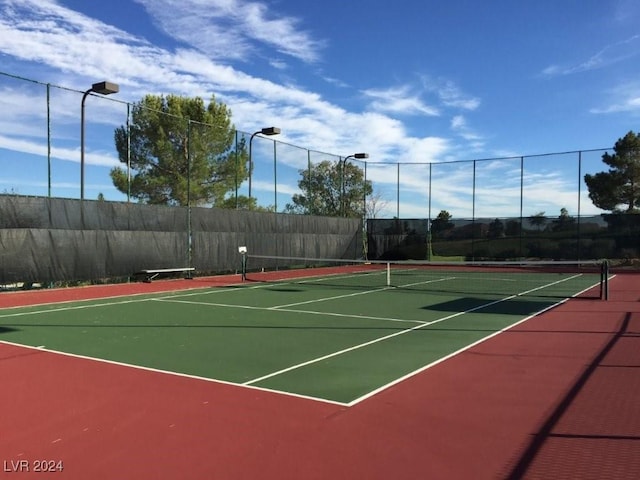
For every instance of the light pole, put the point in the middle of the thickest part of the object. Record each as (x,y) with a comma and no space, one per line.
(342,170)
(103,88)
(264,131)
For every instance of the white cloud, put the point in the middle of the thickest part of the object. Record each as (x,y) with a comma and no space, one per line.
(232,28)
(407,100)
(103,159)
(63,40)
(67,44)
(608,55)
(451,96)
(624,98)
(459,125)
(458,122)
(399,100)
(278,64)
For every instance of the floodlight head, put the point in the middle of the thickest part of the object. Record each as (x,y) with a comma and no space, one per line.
(270,131)
(360,155)
(105,88)
(242,249)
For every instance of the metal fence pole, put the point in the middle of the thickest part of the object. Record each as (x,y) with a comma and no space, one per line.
(398,193)
(128,152)
(275,177)
(473,213)
(189,232)
(579,212)
(521,205)
(310,191)
(49,139)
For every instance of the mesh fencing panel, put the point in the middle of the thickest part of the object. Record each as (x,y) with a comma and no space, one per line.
(51,239)
(611,236)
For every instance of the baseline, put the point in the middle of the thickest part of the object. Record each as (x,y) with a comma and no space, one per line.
(172,373)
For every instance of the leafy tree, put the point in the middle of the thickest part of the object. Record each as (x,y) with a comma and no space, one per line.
(496,229)
(375,204)
(441,223)
(620,186)
(180,151)
(564,221)
(244,203)
(331,189)
(538,220)
(513,228)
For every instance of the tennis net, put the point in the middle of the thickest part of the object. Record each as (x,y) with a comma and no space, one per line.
(559,279)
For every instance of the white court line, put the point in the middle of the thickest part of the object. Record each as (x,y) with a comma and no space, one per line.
(133,298)
(285,307)
(139,295)
(381,289)
(175,374)
(471,345)
(249,383)
(451,355)
(324,299)
(377,340)
(71,307)
(401,332)
(290,310)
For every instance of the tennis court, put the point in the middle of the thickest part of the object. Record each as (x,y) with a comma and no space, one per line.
(322,373)
(336,334)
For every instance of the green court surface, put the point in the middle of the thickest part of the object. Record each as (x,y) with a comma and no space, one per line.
(336,342)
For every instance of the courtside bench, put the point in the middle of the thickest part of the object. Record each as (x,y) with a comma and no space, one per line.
(151,273)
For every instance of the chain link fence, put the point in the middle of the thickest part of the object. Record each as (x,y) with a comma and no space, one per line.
(40,152)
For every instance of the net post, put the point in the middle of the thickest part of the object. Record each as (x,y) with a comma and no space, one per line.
(604,280)
(244,267)
(388,274)
(243,262)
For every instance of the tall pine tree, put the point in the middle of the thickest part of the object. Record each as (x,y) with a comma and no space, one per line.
(180,151)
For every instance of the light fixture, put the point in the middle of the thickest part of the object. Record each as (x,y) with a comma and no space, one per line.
(359,156)
(103,88)
(263,131)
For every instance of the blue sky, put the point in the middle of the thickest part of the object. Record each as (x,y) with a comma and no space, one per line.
(409,81)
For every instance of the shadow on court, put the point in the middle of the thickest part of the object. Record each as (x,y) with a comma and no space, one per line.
(594,432)
(513,306)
